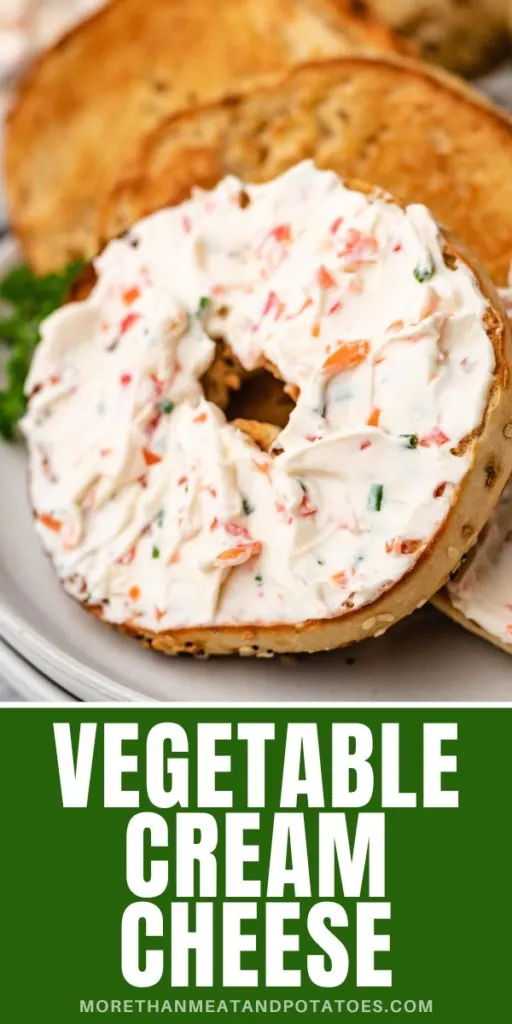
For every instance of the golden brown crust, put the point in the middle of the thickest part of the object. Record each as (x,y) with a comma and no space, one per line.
(419,133)
(490,469)
(263,434)
(84,104)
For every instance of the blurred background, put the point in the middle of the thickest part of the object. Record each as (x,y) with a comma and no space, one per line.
(471,37)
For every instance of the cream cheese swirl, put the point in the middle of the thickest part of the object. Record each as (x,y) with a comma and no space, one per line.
(154,507)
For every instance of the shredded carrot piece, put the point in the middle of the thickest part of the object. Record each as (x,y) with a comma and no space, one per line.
(340,578)
(374,417)
(50,522)
(347,356)
(134,593)
(325,278)
(305,305)
(239,554)
(151,458)
(203,416)
(131,295)
(159,615)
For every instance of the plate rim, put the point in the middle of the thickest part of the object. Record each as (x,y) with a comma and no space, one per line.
(26,680)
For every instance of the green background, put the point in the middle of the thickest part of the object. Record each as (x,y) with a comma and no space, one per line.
(62,871)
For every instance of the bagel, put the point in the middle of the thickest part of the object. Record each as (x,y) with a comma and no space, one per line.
(414,131)
(480,595)
(84,102)
(477,595)
(202,535)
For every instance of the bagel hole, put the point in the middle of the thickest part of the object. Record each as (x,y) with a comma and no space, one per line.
(261,397)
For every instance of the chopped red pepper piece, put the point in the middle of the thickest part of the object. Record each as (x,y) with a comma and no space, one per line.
(151,458)
(128,321)
(436,437)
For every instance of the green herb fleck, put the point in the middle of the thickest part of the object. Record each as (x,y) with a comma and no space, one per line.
(155,553)
(320,561)
(424,271)
(247,507)
(410,440)
(166,405)
(202,306)
(259,579)
(31,300)
(375,497)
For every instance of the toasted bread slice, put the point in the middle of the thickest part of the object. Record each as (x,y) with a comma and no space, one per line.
(86,102)
(411,129)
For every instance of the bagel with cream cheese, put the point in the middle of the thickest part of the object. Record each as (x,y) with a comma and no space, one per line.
(203,535)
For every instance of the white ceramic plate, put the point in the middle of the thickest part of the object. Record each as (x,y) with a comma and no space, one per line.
(25,681)
(426,658)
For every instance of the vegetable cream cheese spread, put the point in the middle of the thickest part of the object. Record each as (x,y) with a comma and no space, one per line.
(157,509)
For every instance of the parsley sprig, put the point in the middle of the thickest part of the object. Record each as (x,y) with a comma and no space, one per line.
(30,299)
